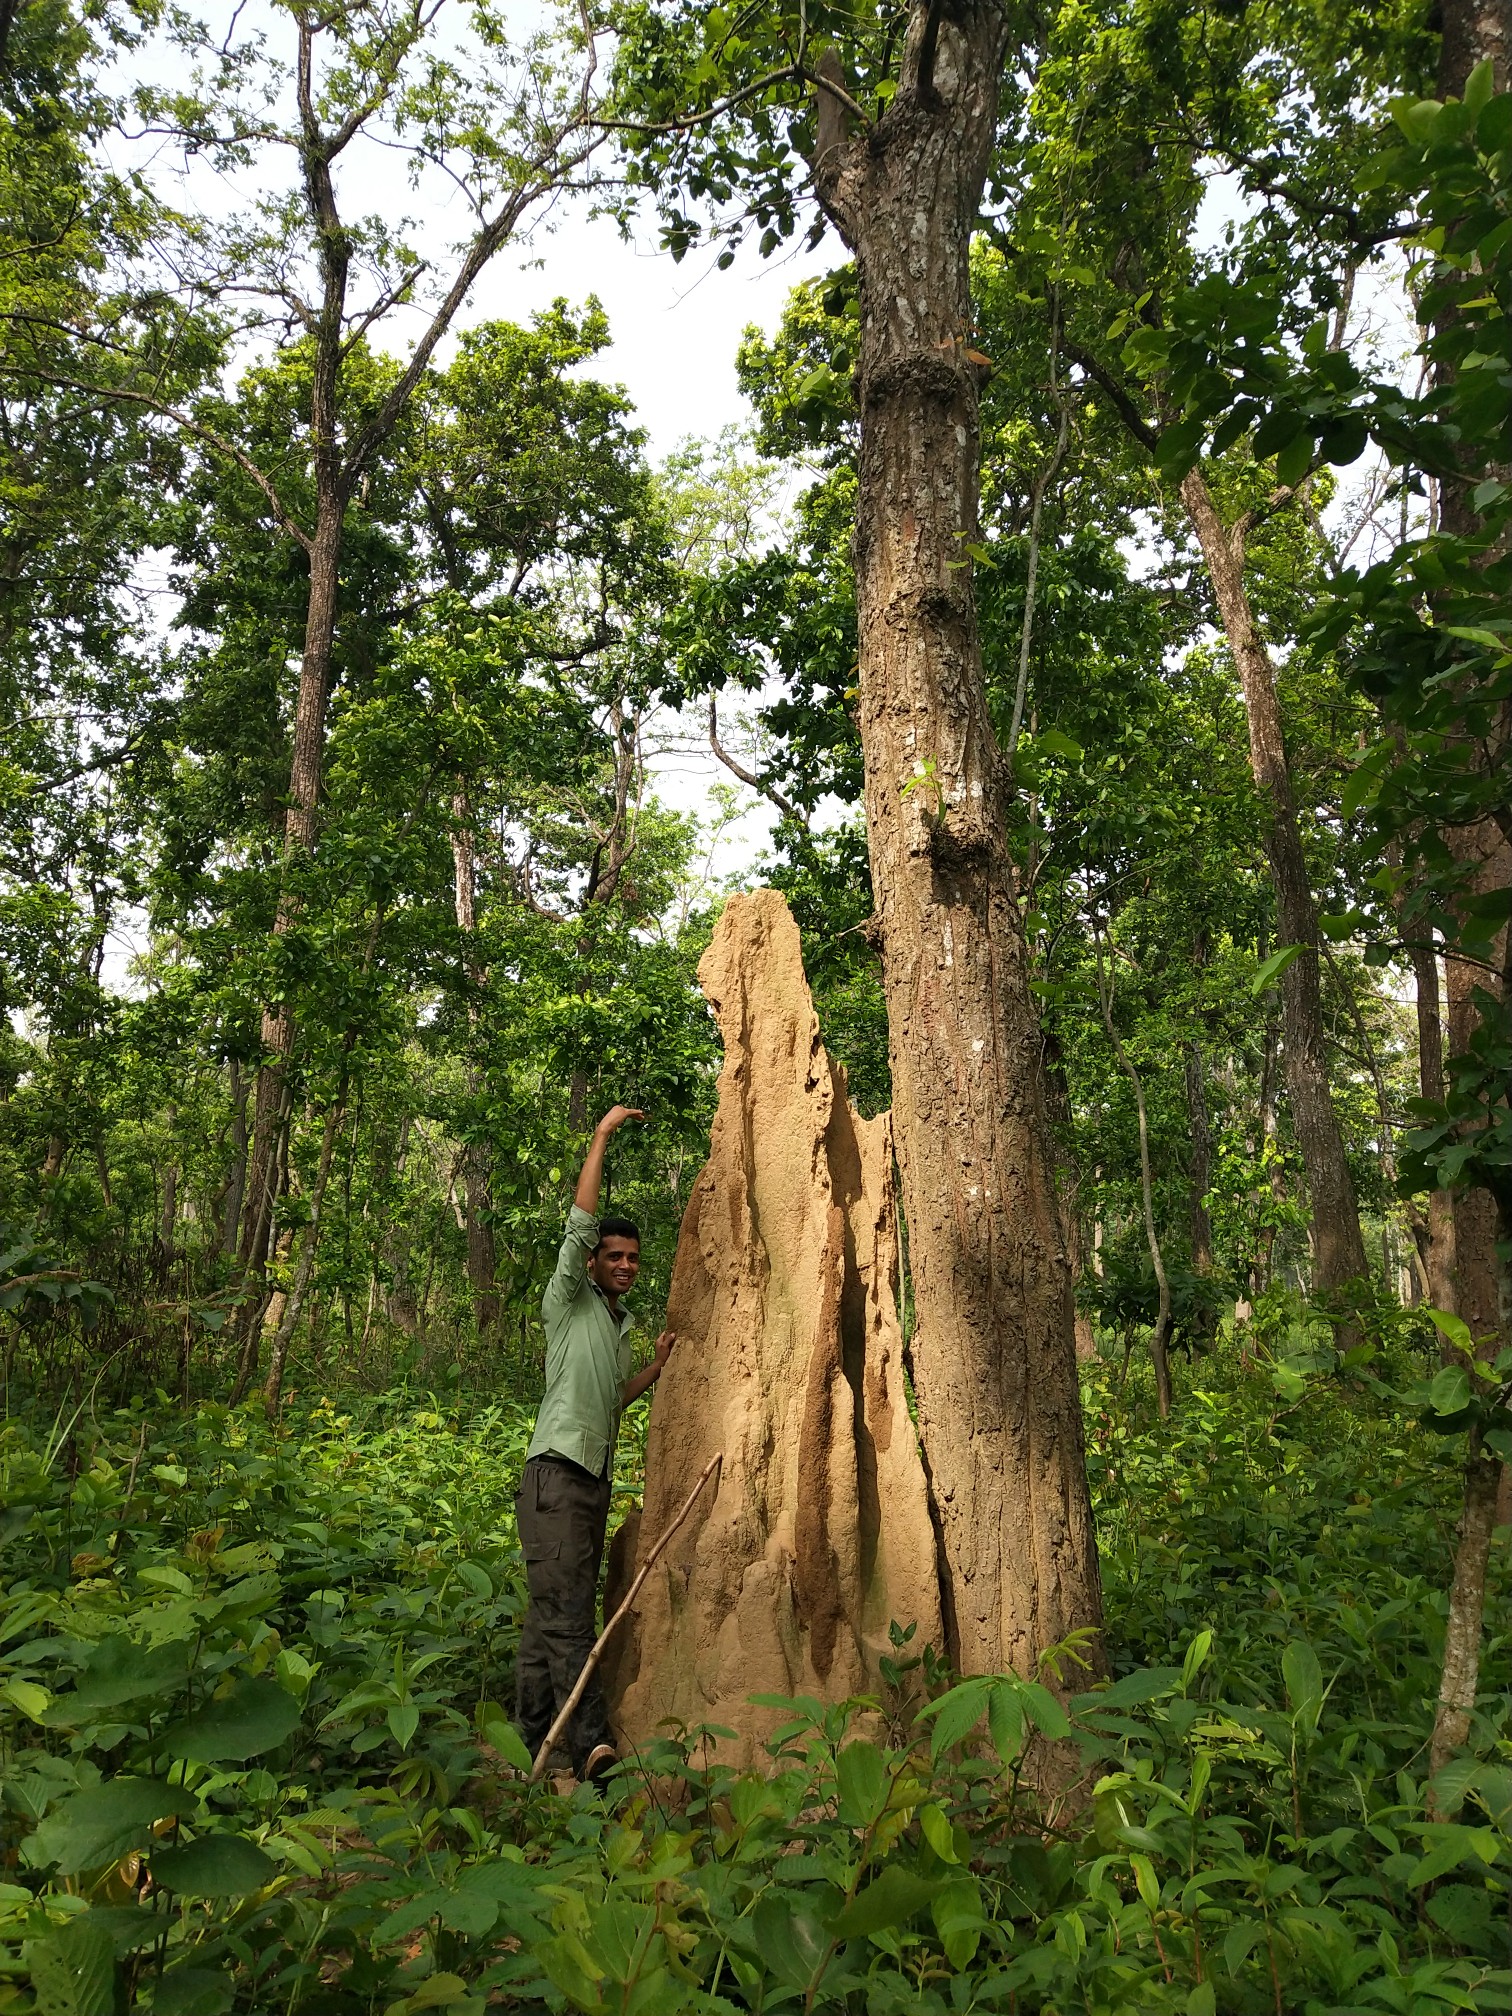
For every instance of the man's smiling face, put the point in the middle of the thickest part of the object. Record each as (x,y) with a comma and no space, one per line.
(614,1264)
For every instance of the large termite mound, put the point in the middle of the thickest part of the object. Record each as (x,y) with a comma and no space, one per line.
(789,1360)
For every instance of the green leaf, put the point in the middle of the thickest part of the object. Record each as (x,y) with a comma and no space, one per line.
(1051,742)
(1294,460)
(1450,1390)
(1453,1327)
(1473,634)
(1046,1713)
(1196,1657)
(118,1670)
(403,1720)
(1304,1680)
(959,1920)
(496,1729)
(255,1716)
(214,1865)
(72,1970)
(1364,780)
(192,1991)
(892,1899)
(955,1714)
(1005,1723)
(1271,969)
(1493,129)
(861,1774)
(1145,1881)
(97,1827)
(1479,86)
(938,1832)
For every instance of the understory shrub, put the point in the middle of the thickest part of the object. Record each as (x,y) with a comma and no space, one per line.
(255,1757)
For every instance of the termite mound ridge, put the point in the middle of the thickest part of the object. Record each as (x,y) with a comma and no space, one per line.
(789,1358)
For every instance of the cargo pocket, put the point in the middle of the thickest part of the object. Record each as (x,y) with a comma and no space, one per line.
(541,1550)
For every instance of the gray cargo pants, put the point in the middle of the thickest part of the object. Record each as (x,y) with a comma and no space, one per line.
(561,1511)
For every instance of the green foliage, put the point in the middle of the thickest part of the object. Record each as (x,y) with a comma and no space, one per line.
(248,1682)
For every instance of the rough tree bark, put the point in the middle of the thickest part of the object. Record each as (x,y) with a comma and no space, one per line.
(1434,1232)
(993,1361)
(1339,1249)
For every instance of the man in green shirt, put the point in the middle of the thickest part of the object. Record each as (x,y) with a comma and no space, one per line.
(563,1501)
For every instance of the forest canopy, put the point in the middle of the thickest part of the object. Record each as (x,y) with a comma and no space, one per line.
(1103,588)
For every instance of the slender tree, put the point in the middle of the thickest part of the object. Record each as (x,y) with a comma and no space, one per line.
(509,131)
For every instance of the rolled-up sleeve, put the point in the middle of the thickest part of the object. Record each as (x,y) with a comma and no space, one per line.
(579,1240)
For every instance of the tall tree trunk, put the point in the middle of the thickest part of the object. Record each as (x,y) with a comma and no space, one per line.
(1460,1678)
(236,1175)
(1338,1245)
(1434,1231)
(1160,1335)
(306,764)
(1202,1159)
(1473,31)
(992,1353)
(309,1246)
(477,1164)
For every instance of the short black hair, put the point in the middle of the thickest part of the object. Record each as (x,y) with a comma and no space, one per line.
(618,1228)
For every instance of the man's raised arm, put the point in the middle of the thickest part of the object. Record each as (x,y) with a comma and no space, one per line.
(581,1235)
(591,1179)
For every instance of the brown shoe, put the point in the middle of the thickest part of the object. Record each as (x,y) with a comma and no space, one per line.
(598,1765)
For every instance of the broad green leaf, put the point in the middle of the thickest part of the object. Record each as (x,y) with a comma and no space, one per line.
(861,1774)
(1271,969)
(1046,1713)
(214,1865)
(1364,781)
(192,1991)
(72,1970)
(955,1714)
(938,1832)
(1453,1327)
(892,1898)
(959,1920)
(1005,1723)
(118,1670)
(403,1720)
(255,1716)
(99,1826)
(1294,460)
(496,1729)
(1479,86)
(32,1700)
(1145,1881)
(1051,742)
(1304,1679)
(1450,1391)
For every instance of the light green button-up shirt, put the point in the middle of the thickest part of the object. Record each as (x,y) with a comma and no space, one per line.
(587,1357)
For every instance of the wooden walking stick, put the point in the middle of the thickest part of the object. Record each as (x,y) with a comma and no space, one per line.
(581,1683)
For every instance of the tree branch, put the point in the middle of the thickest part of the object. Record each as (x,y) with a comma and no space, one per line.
(780,799)
(190,425)
(1146,435)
